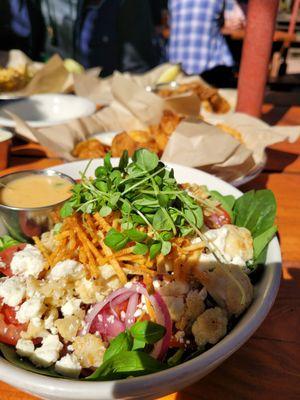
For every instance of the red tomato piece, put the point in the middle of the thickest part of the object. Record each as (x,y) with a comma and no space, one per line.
(10,329)
(217,220)
(7,255)
(9,314)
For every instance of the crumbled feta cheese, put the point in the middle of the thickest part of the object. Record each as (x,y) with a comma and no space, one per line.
(138,313)
(49,321)
(28,261)
(68,366)
(71,307)
(66,268)
(48,353)
(30,308)
(2,264)
(123,315)
(114,283)
(107,271)
(25,348)
(234,243)
(37,322)
(111,319)
(12,290)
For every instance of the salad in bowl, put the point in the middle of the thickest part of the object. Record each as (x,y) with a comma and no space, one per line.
(137,275)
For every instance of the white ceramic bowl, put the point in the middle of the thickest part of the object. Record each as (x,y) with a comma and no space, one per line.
(168,381)
(43,110)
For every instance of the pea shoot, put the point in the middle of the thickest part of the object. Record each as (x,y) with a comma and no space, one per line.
(147,194)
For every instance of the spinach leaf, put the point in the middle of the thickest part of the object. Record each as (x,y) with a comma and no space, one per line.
(255,211)
(7,241)
(122,342)
(10,355)
(261,241)
(147,331)
(125,364)
(176,358)
(227,202)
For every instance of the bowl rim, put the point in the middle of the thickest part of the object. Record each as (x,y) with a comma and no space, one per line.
(207,361)
(47,172)
(90,109)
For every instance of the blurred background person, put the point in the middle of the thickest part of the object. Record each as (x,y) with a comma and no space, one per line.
(196,40)
(113,34)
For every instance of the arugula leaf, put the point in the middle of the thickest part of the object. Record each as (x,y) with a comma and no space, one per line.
(261,241)
(10,355)
(122,342)
(115,240)
(147,331)
(7,241)
(145,159)
(255,211)
(125,364)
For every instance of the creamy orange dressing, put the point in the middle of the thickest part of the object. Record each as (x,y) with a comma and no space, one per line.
(35,191)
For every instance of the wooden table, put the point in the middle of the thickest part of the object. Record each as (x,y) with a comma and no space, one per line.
(268,365)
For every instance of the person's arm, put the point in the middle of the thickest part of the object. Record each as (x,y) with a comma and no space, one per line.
(234,17)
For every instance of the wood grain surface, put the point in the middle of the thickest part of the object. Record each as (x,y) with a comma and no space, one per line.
(267,367)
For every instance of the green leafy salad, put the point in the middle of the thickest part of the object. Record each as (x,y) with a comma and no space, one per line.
(139,273)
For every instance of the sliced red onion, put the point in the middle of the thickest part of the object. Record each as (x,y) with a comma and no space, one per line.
(163,318)
(94,311)
(110,329)
(107,325)
(131,309)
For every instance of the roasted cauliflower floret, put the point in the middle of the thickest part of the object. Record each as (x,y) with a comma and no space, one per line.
(210,326)
(229,286)
(194,306)
(89,350)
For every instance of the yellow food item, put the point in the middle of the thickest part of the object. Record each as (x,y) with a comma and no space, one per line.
(68,327)
(170,74)
(12,79)
(73,66)
(47,190)
(91,148)
(89,350)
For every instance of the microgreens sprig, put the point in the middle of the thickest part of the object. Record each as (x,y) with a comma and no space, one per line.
(147,194)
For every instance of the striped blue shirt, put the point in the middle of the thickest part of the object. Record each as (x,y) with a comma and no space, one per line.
(195,39)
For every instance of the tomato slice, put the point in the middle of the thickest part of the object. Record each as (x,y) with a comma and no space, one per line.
(9,314)
(217,219)
(10,329)
(7,255)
